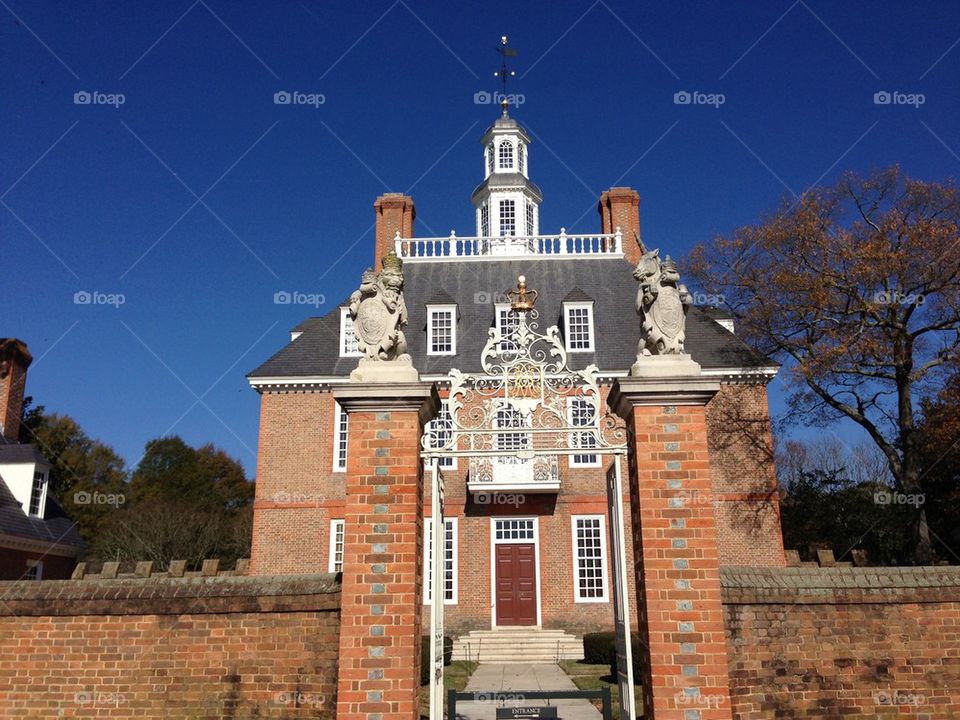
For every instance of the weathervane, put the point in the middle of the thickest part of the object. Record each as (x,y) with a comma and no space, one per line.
(505,73)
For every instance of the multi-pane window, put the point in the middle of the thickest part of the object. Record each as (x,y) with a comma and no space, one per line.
(509,418)
(340,440)
(579,326)
(521,529)
(336,546)
(506,155)
(348,339)
(441,330)
(491,156)
(36,493)
(507,323)
(34,570)
(485,220)
(529,217)
(508,218)
(441,433)
(583,414)
(520,157)
(589,559)
(449,561)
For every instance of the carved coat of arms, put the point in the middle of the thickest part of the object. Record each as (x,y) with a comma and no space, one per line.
(662,303)
(379,312)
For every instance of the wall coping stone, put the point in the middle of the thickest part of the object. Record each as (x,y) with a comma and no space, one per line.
(840,585)
(159,595)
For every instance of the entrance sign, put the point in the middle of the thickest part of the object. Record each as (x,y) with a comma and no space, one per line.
(621,599)
(513,420)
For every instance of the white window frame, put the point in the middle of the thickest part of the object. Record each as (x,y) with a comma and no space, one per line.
(432,311)
(521,166)
(502,311)
(41,497)
(506,153)
(605,576)
(336,528)
(446,462)
(485,220)
(31,565)
(591,335)
(501,216)
(346,326)
(451,524)
(341,433)
(573,459)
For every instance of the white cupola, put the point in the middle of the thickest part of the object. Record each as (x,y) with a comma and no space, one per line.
(506,202)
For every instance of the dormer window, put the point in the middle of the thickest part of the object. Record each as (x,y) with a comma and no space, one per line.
(578,326)
(507,322)
(348,339)
(506,155)
(441,329)
(37,493)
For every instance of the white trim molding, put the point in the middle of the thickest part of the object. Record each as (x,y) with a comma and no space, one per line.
(591,335)
(578,597)
(450,526)
(337,537)
(436,310)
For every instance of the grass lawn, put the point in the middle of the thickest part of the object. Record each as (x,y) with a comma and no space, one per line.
(596,677)
(455,677)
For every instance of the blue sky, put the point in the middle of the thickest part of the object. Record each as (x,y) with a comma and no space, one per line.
(198,198)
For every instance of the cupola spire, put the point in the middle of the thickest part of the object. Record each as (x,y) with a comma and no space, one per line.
(505,73)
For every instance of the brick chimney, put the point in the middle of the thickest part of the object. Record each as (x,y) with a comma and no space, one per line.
(395,212)
(620,207)
(14,361)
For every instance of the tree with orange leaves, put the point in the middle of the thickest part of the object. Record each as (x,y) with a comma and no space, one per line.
(856,289)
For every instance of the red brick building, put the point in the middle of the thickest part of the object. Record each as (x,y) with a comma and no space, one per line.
(517,553)
(37,539)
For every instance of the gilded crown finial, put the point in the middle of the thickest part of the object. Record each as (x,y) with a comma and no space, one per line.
(522,299)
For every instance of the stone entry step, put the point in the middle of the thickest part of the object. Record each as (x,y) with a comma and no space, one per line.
(518,645)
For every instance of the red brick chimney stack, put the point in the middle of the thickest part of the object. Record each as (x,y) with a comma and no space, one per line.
(620,207)
(395,212)
(14,361)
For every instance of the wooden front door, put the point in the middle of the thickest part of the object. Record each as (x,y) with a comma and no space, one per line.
(516,579)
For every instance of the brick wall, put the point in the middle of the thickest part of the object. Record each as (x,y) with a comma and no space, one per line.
(843,642)
(743,479)
(225,647)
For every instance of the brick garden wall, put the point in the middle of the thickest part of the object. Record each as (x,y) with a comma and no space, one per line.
(216,647)
(843,642)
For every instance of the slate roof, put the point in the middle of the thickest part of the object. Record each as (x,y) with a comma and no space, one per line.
(55,527)
(477,285)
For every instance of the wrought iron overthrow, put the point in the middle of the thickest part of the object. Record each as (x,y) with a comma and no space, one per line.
(526,403)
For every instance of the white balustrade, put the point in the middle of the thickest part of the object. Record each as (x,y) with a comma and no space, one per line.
(478,248)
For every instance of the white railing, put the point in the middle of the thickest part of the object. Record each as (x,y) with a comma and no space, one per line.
(477,248)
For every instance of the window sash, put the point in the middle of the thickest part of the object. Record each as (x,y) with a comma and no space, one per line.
(529,212)
(589,558)
(508,218)
(507,322)
(341,438)
(441,331)
(336,546)
(505,154)
(441,431)
(514,530)
(450,561)
(36,493)
(578,327)
(581,413)
(348,339)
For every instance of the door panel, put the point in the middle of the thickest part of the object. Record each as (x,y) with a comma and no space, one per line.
(516,584)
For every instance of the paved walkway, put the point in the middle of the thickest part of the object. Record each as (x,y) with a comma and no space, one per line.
(506,683)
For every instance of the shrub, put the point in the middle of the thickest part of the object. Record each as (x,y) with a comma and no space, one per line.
(599,648)
(635,656)
(425,659)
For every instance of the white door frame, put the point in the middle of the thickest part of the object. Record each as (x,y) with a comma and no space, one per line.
(493,563)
